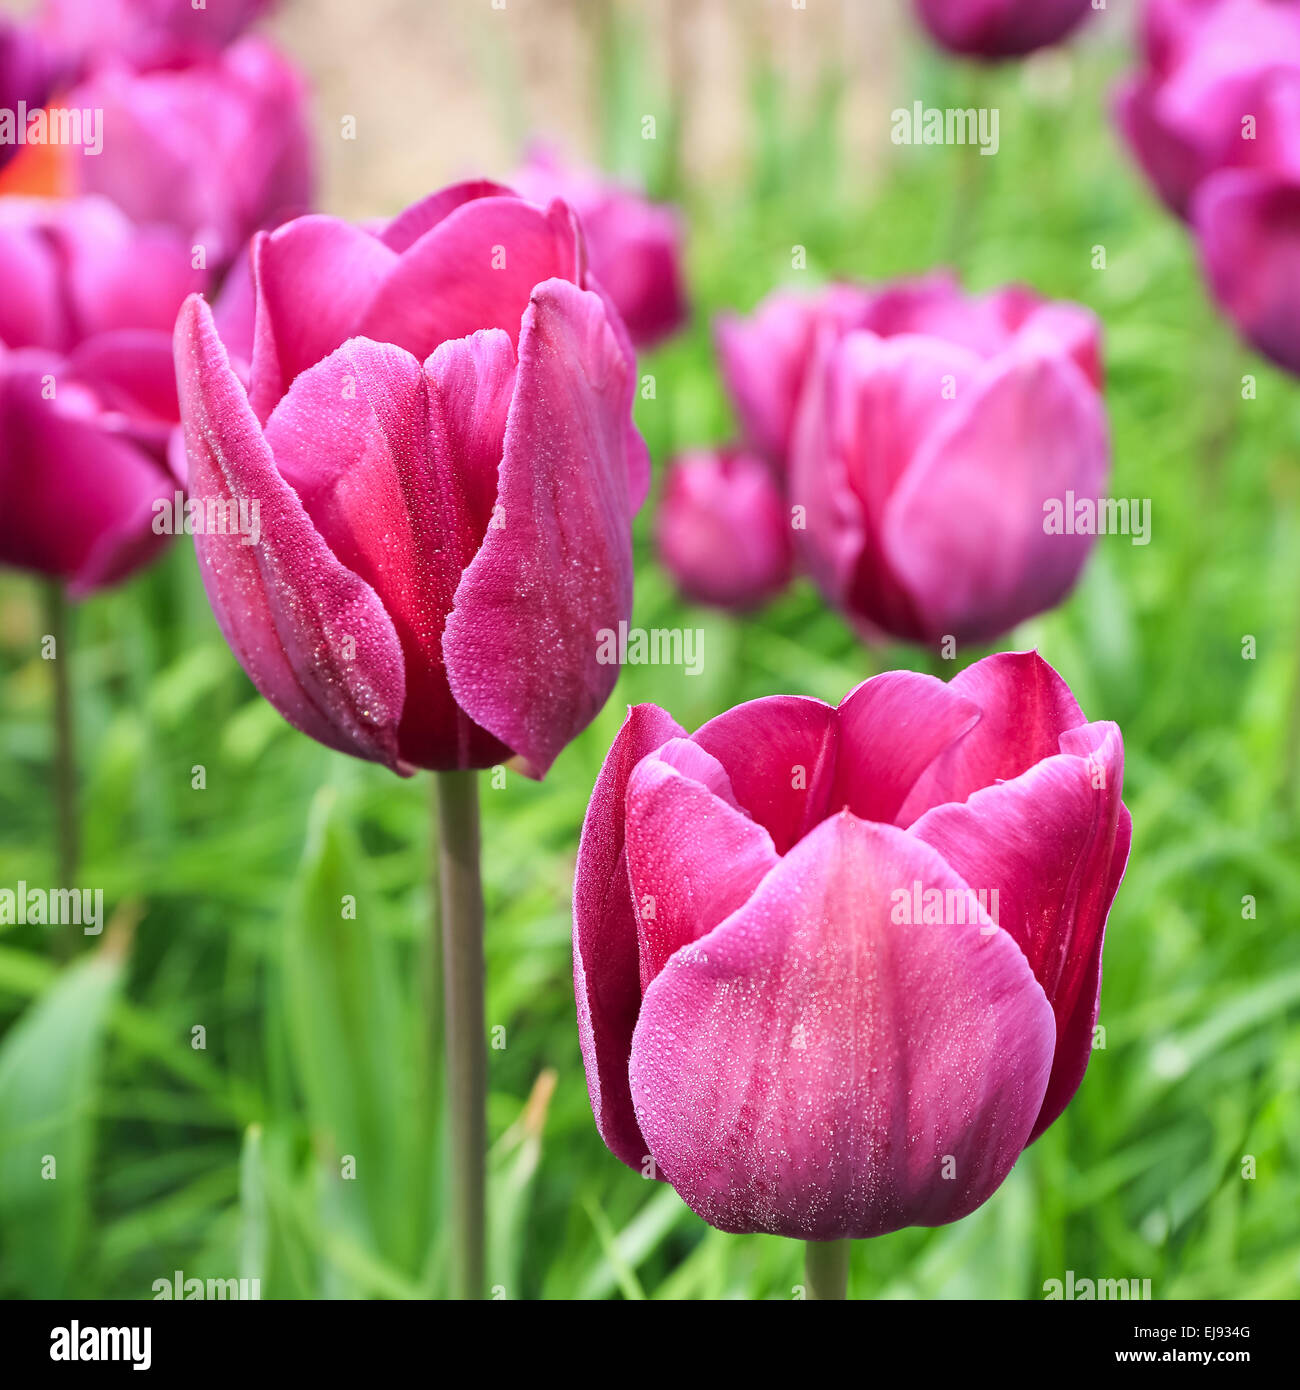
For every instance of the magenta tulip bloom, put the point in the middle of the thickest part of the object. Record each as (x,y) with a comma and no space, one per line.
(437,431)
(217,148)
(145,33)
(835,968)
(635,245)
(723,529)
(931,449)
(1214,119)
(1001,28)
(87,386)
(25,74)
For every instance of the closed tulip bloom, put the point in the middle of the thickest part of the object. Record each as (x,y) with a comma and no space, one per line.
(145,32)
(635,245)
(723,529)
(836,967)
(1214,120)
(1001,28)
(25,73)
(87,386)
(931,450)
(437,431)
(217,148)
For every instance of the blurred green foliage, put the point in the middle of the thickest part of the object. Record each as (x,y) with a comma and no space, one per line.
(319,1030)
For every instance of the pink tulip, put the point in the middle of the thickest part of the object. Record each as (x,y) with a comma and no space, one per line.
(1001,28)
(1214,119)
(835,968)
(87,386)
(216,148)
(437,430)
(25,73)
(635,245)
(930,448)
(723,529)
(145,33)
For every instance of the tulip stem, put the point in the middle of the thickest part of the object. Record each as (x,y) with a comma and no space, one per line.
(464,1027)
(827,1266)
(67,847)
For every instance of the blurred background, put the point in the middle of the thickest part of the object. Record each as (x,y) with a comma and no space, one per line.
(220,1153)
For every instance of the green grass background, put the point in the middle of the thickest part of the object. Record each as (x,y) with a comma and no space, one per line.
(319,1040)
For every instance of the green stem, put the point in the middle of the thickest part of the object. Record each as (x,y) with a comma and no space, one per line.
(65,761)
(465,1029)
(827,1265)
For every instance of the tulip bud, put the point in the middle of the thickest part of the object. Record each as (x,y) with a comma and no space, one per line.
(836,967)
(437,431)
(1001,28)
(723,530)
(145,33)
(931,446)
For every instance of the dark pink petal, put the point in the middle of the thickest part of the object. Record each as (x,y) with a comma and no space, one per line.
(396,465)
(892,727)
(409,226)
(606,973)
(133,373)
(33,311)
(525,640)
(1171,161)
(1248,225)
(76,501)
(1025,708)
(312,636)
(1001,28)
(1052,843)
(813,1068)
(474,269)
(964,532)
(314,278)
(692,859)
(780,755)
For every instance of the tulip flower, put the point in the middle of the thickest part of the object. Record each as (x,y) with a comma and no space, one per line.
(437,428)
(1212,119)
(836,967)
(25,73)
(723,529)
(634,244)
(145,33)
(994,29)
(217,148)
(87,386)
(930,450)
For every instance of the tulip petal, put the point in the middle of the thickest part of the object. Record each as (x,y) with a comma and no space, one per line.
(1048,841)
(606,973)
(692,859)
(409,226)
(813,1069)
(295,324)
(396,465)
(892,727)
(474,269)
(978,559)
(312,636)
(1025,708)
(779,754)
(526,637)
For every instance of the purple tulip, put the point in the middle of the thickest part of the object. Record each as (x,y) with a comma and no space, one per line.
(87,386)
(1214,119)
(930,448)
(635,245)
(217,148)
(437,432)
(1001,28)
(835,968)
(145,33)
(25,75)
(723,529)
